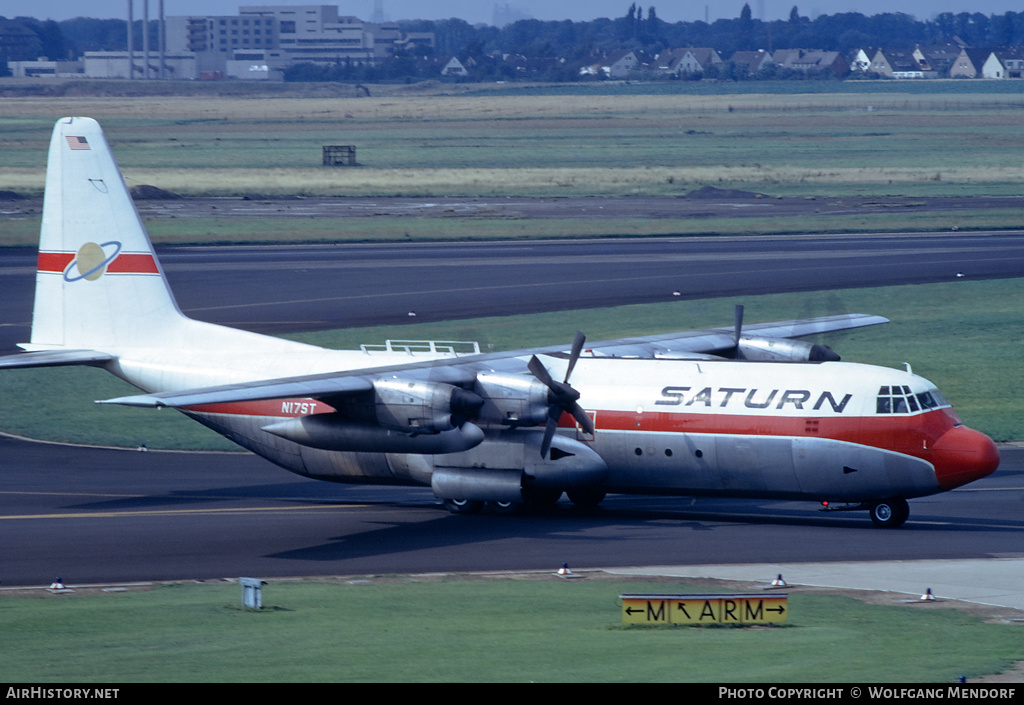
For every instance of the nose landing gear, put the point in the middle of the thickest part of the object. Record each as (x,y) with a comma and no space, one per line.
(889,513)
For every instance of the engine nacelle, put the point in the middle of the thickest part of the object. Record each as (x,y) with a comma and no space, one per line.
(783,349)
(499,468)
(512,400)
(477,485)
(411,406)
(334,432)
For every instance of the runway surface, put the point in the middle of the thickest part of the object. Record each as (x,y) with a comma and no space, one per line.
(101,516)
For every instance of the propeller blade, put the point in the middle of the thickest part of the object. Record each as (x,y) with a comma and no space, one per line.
(539,371)
(738,323)
(574,354)
(562,397)
(549,433)
(584,420)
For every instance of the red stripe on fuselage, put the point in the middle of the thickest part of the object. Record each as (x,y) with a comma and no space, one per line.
(912,434)
(270,408)
(127,263)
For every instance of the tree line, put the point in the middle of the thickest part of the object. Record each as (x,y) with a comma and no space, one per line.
(567,44)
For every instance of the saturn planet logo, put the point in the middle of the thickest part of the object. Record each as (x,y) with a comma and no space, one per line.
(91,261)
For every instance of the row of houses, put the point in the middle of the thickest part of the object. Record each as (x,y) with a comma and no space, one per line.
(689,61)
(946,61)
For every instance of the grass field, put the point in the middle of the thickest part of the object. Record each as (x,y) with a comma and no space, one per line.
(451,630)
(533,144)
(610,140)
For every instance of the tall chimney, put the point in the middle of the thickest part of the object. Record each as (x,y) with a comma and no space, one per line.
(163,40)
(131,42)
(145,39)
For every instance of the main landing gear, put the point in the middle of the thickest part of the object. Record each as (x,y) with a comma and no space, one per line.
(533,500)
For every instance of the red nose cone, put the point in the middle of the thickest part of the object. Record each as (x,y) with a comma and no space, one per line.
(963,455)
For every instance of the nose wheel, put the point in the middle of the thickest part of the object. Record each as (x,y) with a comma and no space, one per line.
(889,513)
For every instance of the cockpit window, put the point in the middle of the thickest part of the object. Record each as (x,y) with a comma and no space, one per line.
(898,399)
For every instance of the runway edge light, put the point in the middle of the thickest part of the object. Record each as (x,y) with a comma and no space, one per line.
(564,572)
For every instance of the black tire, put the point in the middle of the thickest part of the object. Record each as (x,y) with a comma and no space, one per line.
(463,506)
(505,508)
(889,513)
(586,498)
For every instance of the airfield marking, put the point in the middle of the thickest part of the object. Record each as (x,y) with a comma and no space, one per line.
(70,494)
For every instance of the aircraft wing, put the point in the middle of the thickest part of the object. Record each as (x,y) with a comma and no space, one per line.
(314,386)
(717,339)
(462,371)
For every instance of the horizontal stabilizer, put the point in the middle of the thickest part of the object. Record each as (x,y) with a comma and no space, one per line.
(54,358)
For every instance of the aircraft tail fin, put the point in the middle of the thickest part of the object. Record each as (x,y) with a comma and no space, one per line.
(99,284)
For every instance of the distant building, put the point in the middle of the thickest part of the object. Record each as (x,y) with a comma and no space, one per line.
(811,60)
(1004,63)
(752,61)
(279,36)
(969,63)
(115,64)
(897,63)
(617,64)
(620,64)
(862,60)
(45,69)
(454,67)
(937,60)
(692,60)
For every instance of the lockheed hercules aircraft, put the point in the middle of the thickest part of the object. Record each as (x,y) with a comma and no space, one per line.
(734,411)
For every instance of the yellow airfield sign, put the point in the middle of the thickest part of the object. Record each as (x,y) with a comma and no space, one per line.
(705,609)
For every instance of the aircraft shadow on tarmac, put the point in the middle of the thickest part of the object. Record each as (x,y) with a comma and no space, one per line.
(274,492)
(594,530)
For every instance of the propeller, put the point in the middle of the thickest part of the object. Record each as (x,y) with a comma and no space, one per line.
(738,325)
(734,350)
(561,396)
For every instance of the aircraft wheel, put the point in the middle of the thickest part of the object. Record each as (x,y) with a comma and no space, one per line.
(506,508)
(463,506)
(586,498)
(889,513)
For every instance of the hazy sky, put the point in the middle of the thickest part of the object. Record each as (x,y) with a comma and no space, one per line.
(474,11)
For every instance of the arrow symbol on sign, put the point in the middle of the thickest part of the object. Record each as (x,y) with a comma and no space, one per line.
(682,608)
(634,610)
(780,609)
